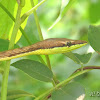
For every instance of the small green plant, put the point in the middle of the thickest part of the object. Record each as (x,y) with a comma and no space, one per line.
(41,69)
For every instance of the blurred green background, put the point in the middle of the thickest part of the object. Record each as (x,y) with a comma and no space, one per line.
(74,25)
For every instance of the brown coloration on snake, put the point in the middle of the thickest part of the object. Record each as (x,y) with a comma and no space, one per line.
(45,44)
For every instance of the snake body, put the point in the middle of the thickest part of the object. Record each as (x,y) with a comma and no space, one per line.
(45,47)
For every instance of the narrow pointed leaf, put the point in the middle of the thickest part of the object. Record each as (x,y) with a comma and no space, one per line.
(34,69)
(63,11)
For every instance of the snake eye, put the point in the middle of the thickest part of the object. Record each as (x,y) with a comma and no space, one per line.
(69,44)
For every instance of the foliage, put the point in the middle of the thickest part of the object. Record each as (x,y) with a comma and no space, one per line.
(19,27)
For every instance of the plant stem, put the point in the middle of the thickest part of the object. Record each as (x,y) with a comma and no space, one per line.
(31,11)
(88,67)
(11,46)
(48,62)
(15,29)
(1,71)
(41,38)
(61,84)
(23,32)
(81,66)
(39,31)
(75,74)
(37,21)
(11,16)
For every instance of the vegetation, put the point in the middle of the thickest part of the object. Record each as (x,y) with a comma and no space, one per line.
(68,76)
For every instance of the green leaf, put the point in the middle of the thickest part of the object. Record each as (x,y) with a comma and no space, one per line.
(10,6)
(31,34)
(35,2)
(63,11)
(5,21)
(66,8)
(14,94)
(4,45)
(84,58)
(34,69)
(73,57)
(69,92)
(94,37)
(94,11)
(26,8)
(79,59)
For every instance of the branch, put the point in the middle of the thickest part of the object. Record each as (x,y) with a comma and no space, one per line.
(31,11)
(75,74)
(11,46)
(88,67)
(23,32)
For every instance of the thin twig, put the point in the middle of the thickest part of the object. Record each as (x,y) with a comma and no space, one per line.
(88,67)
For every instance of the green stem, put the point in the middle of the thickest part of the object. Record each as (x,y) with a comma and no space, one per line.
(61,84)
(11,16)
(25,35)
(15,29)
(37,21)
(48,62)
(1,71)
(23,32)
(11,46)
(82,67)
(31,11)
(39,31)
(41,38)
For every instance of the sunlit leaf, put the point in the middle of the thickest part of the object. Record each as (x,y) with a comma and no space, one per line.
(14,94)
(72,91)
(24,10)
(4,45)
(94,37)
(12,8)
(34,69)
(35,2)
(5,21)
(79,59)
